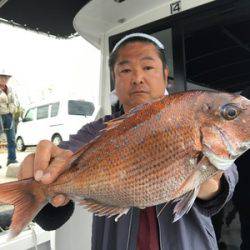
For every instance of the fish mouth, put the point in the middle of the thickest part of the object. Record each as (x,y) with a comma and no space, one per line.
(219,162)
(240,148)
(244,147)
(223,163)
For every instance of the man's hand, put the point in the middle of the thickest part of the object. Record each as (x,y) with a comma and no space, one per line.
(45,165)
(210,188)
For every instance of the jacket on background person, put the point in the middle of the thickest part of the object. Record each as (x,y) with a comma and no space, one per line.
(8,101)
(1,125)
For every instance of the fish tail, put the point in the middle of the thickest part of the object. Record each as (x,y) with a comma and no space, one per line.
(27,197)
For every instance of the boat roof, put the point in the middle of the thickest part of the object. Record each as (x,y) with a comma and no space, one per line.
(96,19)
(52,17)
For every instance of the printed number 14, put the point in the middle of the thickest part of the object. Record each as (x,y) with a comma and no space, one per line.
(175,7)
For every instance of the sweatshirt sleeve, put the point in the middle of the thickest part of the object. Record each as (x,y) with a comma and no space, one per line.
(228,183)
(50,217)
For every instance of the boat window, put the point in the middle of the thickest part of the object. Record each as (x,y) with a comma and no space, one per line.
(218,57)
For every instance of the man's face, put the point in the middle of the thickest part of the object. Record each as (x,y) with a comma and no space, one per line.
(3,80)
(138,73)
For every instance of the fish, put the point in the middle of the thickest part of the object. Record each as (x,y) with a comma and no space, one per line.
(159,152)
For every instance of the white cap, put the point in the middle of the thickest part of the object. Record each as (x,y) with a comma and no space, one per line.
(143,35)
(4,72)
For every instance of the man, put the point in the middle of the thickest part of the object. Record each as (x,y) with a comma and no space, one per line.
(139,70)
(7,108)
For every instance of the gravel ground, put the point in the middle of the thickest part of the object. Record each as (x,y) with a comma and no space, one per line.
(3,169)
(3,161)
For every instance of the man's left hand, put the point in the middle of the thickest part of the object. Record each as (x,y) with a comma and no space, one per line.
(210,188)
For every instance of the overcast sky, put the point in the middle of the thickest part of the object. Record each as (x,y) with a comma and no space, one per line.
(41,65)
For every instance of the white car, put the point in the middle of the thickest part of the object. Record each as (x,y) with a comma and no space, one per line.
(53,121)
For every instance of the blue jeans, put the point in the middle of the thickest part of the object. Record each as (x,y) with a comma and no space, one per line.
(9,130)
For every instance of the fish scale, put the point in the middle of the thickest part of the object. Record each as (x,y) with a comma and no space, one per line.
(140,173)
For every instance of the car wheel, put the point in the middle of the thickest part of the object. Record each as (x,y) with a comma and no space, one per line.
(56,139)
(20,144)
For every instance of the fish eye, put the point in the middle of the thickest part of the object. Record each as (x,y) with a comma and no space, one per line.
(230,111)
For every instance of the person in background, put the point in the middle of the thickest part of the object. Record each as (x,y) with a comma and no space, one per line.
(1,131)
(139,70)
(8,105)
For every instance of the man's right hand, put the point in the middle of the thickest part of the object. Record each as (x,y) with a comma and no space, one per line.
(45,165)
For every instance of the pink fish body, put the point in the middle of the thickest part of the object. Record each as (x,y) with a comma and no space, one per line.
(158,152)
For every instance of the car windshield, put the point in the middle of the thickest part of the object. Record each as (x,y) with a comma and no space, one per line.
(78,107)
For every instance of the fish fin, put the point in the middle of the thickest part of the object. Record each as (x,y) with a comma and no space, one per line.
(185,203)
(139,107)
(162,209)
(117,121)
(143,105)
(100,209)
(204,170)
(190,187)
(109,125)
(28,199)
(113,123)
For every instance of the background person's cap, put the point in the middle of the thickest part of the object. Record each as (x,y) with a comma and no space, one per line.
(4,72)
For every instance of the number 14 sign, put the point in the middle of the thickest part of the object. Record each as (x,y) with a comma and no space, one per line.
(175,7)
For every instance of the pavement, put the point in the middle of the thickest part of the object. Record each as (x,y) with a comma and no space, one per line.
(4,168)
(3,161)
